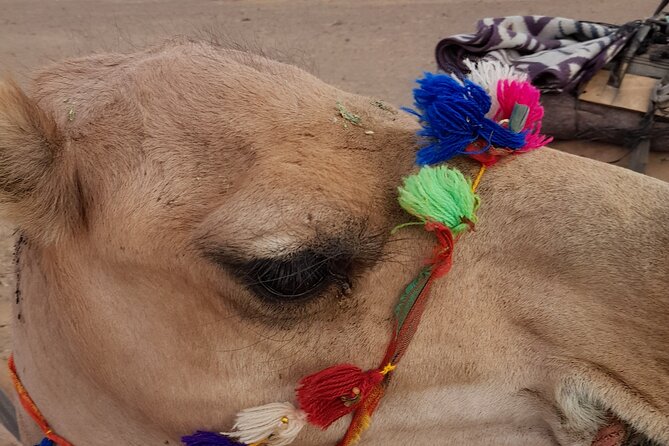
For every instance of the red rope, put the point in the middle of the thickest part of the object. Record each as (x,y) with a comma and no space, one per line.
(442,260)
(31,409)
(403,334)
(442,257)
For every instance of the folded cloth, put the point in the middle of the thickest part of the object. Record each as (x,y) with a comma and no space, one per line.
(558,54)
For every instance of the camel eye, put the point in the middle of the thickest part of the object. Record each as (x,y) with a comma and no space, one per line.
(296,277)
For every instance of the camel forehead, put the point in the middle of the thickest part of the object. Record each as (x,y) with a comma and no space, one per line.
(179,75)
(169,58)
(197,88)
(229,130)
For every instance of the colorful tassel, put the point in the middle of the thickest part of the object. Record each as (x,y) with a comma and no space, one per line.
(275,424)
(334,392)
(517,123)
(453,117)
(488,74)
(513,92)
(202,438)
(440,194)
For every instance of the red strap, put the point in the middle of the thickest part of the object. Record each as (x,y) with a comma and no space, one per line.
(403,331)
(31,409)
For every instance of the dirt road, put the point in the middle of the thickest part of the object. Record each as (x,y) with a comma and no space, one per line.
(373,47)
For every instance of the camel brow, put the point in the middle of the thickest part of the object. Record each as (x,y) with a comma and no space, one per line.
(353,242)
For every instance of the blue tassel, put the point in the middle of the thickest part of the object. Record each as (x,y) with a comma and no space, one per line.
(202,438)
(453,116)
(46,442)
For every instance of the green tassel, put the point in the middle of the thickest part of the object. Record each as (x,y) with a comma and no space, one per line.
(440,194)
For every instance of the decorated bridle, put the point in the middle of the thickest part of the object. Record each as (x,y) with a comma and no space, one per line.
(495,116)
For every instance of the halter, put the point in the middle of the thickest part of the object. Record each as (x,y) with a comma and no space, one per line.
(51,438)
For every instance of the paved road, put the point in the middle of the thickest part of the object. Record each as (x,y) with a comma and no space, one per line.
(375,47)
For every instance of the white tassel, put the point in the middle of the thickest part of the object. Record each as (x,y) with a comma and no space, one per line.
(274,424)
(488,73)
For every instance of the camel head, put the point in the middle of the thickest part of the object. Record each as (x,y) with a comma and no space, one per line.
(202,227)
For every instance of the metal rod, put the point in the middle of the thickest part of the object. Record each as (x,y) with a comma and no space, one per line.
(660,8)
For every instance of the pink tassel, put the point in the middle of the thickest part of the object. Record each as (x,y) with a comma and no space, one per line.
(510,92)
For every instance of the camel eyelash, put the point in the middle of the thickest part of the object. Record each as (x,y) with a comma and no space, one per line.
(296,277)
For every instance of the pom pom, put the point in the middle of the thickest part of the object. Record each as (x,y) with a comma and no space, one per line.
(202,438)
(442,195)
(513,92)
(488,74)
(334,392)
(275,424)
(453,116)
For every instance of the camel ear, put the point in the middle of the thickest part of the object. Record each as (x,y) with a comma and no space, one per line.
(594,401)
(36,190)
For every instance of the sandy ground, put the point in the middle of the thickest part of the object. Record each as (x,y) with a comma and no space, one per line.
(372,47)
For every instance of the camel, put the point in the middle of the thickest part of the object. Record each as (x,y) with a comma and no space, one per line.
(154,190)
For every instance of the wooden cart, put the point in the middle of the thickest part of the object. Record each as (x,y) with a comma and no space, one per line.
(626,103)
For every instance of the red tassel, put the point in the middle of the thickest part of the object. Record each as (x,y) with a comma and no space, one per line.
(334,392)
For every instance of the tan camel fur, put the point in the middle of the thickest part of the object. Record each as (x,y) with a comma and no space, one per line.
(154,189)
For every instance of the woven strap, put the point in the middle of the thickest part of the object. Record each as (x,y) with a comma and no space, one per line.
(32,410)
(408,314)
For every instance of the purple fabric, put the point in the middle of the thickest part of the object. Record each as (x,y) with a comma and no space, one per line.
(204,438)
(558,54)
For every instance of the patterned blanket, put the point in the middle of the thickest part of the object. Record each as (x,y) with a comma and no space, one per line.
(558,54)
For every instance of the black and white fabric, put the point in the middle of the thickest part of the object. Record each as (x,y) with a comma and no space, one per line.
(558,54)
